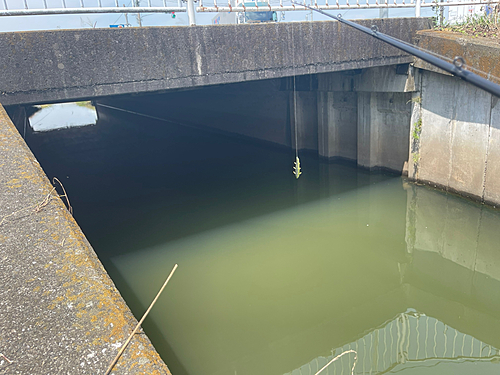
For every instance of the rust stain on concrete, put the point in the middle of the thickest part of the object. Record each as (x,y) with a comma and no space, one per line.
(480,54)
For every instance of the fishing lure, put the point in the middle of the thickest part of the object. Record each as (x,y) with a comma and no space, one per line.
(296,167)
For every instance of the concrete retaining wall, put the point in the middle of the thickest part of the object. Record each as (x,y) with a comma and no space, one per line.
(455,138)
(60,311)
(455,127)
(66,65)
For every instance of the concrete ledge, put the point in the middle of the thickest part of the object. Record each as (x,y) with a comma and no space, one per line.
(60,311)
(481,53)
(65,65)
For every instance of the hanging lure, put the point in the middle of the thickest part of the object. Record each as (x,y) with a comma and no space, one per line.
(296,167)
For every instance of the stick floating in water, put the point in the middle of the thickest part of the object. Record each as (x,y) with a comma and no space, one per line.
(296,167)
(140,323)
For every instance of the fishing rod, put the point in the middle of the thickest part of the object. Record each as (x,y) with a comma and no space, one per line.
(457,68)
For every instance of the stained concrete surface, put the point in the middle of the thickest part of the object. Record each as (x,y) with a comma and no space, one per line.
(479,53)
(66,65)
(60,313)
(457,148)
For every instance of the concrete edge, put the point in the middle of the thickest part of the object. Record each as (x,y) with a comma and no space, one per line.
(458,193)
(98,317)
(480,54)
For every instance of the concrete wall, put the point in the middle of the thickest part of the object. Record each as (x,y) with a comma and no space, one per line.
(257,109)
(65,65)
(454,136)
(60,311)
(306,120)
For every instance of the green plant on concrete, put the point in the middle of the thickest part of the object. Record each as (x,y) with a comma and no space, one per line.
(484,25)
(415,157)
(417,99)
(417,129)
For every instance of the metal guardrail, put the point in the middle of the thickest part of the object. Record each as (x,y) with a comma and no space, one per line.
(336,5)
(32,7)
(29,8)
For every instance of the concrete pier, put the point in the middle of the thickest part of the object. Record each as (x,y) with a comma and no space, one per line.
(383,128)
(337,125)
(60,311)
(364,116)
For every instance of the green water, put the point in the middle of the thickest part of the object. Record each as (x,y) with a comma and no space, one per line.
(276,275)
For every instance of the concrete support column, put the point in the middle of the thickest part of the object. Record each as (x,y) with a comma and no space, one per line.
(383,128)
(337,125)
(307,120)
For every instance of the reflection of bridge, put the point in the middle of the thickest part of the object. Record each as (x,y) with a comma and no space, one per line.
(409,340)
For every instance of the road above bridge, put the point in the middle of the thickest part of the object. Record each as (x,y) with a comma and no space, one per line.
(66,65)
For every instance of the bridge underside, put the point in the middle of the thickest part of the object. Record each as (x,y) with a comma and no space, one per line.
(360,115)
(69,65)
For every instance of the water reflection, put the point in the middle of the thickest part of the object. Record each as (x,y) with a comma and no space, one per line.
(64,115)
(409,342)
(276,274)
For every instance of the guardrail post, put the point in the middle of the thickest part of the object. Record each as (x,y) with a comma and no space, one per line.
(190,12)
(417,8)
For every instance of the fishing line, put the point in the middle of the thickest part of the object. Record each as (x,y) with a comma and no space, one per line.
(137,113)
(295,117)
(296,165)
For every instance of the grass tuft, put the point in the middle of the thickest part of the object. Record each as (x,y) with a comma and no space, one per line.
(479,25)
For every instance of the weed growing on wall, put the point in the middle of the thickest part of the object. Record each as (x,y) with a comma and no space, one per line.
(417,129)
(415,143)
(478,25)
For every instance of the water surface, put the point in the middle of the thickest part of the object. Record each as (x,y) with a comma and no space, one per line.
(277,275)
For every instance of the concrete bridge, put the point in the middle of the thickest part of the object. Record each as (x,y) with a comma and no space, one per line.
(68,65)
(354,102)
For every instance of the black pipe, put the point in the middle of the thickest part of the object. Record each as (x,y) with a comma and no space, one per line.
(455,68)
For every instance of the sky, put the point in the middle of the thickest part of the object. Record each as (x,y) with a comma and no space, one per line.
(51,22)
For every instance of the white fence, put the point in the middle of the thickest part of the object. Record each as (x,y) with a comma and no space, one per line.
(46,7)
